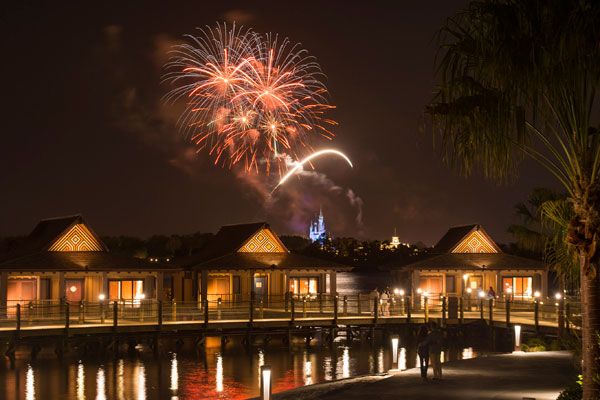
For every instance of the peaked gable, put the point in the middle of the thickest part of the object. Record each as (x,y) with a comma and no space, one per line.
(48,232)
(466,239)
(477,242)
(263,241)
(77,238)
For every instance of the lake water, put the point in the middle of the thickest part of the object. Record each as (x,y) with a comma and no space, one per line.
(231,372)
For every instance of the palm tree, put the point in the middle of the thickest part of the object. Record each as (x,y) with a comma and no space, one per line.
(519,79)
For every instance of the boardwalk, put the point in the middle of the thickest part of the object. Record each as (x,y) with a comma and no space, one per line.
(50,319)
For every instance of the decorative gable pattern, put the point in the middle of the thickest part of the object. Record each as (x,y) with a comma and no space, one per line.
(78,238)
(263,241)
(476,242)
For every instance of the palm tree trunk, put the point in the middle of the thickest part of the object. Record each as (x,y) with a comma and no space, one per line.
(590,313)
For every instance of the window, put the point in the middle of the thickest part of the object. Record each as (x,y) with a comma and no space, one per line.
(74,290)
(431,284)
(518,286)
(304,285)
(125,289)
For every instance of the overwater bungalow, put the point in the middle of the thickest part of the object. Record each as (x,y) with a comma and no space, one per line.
(247,258)
(64,259)
(467,260)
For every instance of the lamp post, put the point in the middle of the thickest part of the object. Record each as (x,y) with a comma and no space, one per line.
(265,382)
(517,337)
(395,341)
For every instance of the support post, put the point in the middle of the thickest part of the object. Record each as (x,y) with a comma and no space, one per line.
(426,301)
(81,311)
(303,306)
(286,300)
(261,307)
(462,310)
(321,303)
(359,305)
(508,313)
(408,310)
(332,283)
(345,305)
(219,309)
(491,305)
(561,317)
(102,315)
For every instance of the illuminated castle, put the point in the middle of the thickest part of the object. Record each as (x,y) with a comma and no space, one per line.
(316,232)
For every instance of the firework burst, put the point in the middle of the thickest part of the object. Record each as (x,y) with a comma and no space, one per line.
(250,98)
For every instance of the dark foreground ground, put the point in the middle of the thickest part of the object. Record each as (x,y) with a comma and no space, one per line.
(505,376)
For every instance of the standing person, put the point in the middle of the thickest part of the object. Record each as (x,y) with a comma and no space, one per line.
(385,296)
(435,340)
(491,293)
(423,351)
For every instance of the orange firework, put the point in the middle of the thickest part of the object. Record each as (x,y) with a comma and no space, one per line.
(250,98)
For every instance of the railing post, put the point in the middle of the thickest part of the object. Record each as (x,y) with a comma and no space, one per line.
(426,302)
(262,304)
(102,311)
(142,306)
(508,313)
(481,308)
(345,305)
(408,309)
(561,317)
(304,306)
(359,305)
(115,315)
(491,305)
(67,319)
(335,308)
(160,314)
(205,302)
(286,299)
(81,311)
(375,309)
(462,310)
(321,303)
(293,307)
(536,315)
(251,316)
(30,313)
(219,308)
(444,311)
(18,332)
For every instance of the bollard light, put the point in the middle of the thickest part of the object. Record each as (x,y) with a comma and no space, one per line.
(396,291)
(558,296)
(101,297)
(481,294)
(469,290)
(517,337)
(537,294)
(395,341)
(265,382)
(509,290)
(401,292)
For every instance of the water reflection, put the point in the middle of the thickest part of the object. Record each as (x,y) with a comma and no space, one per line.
(80,381)
(219,372)
(174,377)
(29,384)
(222,373)
(100,385)
(140,372)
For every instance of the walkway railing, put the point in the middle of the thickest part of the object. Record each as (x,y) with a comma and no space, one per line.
(55,314)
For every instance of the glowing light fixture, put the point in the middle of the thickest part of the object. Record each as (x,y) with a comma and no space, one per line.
(101,297)
(265,382)
(469,290)
(558,296)
(517,337)
(396,291)
(537,294)
(401,292)
(419,290)
(481,294)
(395,341)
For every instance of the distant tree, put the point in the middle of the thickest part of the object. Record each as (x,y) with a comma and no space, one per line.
(174,244)
(295,243)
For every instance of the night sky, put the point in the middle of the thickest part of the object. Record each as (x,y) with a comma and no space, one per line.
(84,128)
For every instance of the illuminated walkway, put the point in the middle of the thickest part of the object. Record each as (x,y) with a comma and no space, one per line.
(507,376)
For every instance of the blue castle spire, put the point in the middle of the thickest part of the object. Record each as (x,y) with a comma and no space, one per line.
(317,228)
